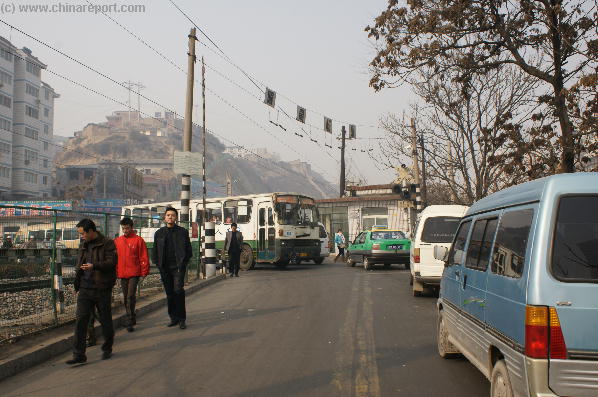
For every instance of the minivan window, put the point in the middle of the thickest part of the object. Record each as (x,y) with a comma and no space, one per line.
(575,249)
(387,235)
(508,256)
(440,229)
(457,250)
(478,252)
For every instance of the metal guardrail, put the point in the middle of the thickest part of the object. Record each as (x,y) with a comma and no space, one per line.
(38,254)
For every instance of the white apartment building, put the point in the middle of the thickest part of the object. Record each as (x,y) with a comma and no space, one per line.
(26,125)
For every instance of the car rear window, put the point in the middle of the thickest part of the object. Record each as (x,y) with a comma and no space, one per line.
(575,249)
(440,229)
(389,235)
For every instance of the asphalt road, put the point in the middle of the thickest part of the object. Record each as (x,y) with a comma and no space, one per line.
(309,330)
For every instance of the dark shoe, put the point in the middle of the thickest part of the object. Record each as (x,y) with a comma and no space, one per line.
(91,343)
(77,360)
(130,328)
(172,323)
(182,324)
(236,275)
(106,355)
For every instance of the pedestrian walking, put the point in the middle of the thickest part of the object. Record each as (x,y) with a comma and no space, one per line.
(133,264)
(94,279)
(171,253)
(339,240)
(232,245)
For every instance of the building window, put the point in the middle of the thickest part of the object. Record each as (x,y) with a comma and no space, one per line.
(5,101)
(4,172)
(47,94)
(374,216)
(33,69)
(45,180)
(5,124)
(45,145)
(31,90)
(30,177)
(30,157)
(6,54)
(45,163)
(31,133)
(73,175)
(46,129)
(5,78)
(32,112)
(4,147)
(46,112)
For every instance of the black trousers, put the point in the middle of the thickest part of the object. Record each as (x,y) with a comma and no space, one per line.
(87,298)
(129,287)
(174,281)
(234,260)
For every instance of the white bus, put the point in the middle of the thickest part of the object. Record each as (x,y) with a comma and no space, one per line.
(278,228)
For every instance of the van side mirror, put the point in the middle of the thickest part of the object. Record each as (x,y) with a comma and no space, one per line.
(440,253)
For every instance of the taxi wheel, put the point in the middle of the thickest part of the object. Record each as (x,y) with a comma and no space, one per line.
(445,348)
(349,261)
(500,385)
(367,265)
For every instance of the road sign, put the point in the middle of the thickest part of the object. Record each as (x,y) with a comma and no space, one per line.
(187,163)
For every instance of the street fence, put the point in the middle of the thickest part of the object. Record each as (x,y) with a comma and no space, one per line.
(38,257)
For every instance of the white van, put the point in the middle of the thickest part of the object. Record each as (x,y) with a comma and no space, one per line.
(324,244)
(436,225)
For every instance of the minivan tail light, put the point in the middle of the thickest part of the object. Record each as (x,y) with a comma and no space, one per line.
(558,348)
(375,246)
(416,255)
(543,333)
(536,331)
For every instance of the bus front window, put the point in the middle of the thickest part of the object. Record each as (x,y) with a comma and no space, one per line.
(287,213)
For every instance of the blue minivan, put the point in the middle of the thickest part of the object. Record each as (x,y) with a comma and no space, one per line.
(519,292)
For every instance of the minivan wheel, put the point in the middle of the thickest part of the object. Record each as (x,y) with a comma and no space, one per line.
(366,263)
(445,348)
(500,385)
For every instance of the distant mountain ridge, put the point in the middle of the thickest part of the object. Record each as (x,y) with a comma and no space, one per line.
(138,143)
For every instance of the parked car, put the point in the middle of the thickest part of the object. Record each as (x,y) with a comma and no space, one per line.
(324,245)
(518,296)
(382,246)
(436,225)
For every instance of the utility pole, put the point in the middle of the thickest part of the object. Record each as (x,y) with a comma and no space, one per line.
(342,179)
(418,204)
(424,185)
(187,130)
(203,159)
(139,88)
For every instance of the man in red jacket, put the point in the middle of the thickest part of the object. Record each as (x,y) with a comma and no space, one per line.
(132,263)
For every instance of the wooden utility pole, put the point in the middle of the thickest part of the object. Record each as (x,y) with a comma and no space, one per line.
(187,130)
(342,178)
(424,185)
(418,204)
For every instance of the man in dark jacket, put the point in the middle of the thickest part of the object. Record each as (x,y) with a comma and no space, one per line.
(171,253)
(94,280)
(233,244)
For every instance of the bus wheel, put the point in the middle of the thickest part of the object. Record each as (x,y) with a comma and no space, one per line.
(319,261)
(246,262)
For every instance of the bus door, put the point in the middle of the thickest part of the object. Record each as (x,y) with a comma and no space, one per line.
(266,244)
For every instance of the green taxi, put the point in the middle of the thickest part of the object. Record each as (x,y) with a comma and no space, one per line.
(379,246)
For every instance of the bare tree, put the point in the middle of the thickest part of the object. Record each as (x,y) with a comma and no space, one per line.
(462,122)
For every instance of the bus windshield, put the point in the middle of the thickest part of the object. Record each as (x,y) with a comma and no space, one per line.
(292,210)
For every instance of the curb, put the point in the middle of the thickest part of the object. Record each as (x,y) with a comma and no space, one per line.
(61,344)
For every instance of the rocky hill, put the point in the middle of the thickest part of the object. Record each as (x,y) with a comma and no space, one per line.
(250,175)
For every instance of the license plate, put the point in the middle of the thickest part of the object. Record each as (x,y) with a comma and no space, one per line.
(303,254)
(394,247)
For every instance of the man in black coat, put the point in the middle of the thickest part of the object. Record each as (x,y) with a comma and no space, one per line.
(171,253)
(233,244)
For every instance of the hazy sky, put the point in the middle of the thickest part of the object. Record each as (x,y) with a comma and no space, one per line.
(315,53)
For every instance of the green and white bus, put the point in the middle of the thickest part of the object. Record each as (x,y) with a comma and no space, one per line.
(278,228)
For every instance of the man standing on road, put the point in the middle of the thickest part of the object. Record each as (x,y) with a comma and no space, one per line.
(232,245)
(133,263)
(339,240)
(94,280)
(171,253)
